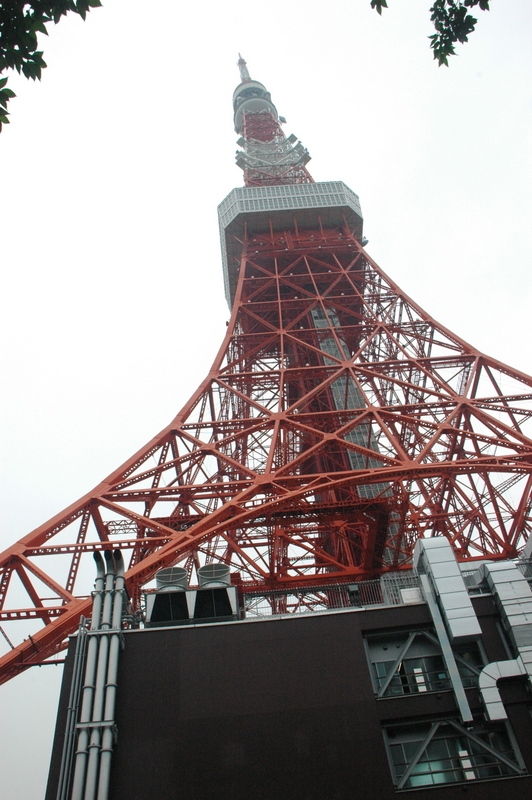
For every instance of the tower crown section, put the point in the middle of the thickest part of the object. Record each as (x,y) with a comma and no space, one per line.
(251,97)
(268,157)
(279,194)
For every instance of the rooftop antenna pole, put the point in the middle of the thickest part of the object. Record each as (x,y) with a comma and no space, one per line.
(244,72)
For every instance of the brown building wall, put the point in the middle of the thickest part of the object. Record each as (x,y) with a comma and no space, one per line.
(281,709)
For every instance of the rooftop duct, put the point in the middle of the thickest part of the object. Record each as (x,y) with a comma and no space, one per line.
(172,579)
(212,576)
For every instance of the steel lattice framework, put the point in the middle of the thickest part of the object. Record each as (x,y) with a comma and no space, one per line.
(338,423)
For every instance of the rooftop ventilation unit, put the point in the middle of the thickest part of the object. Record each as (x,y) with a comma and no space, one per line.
(174,603)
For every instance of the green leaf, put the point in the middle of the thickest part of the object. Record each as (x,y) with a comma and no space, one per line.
(3,82)
(378,5)
(39,27)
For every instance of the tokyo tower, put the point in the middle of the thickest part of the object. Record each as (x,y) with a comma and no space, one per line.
(338,424)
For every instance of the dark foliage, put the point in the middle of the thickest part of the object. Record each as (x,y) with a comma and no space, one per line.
(452,21)
(20,23)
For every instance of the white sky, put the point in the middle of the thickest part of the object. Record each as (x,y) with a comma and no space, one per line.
(110,174)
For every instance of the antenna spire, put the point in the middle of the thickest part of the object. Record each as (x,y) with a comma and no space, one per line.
(244,72)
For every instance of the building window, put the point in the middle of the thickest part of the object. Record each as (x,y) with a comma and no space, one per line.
(444,751)
(411,662)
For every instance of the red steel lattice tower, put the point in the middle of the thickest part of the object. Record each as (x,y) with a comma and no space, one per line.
(339,423)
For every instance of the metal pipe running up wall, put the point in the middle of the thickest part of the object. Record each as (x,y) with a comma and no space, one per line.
(115,642)
(87,692)
(96,725)
(69,743)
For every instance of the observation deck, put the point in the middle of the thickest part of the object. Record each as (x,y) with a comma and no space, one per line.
(332,203)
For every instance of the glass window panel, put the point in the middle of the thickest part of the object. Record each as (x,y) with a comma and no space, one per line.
(423,654)
(437,749)
(450,756)
(397,754)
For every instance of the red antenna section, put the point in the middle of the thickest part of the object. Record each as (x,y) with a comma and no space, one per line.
(339,423)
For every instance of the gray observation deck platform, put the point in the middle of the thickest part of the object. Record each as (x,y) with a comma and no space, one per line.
(257,206)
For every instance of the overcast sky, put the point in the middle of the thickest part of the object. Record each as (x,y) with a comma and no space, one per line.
(110,174)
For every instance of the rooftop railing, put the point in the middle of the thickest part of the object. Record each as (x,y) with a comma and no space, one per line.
(391,589)
(394,588)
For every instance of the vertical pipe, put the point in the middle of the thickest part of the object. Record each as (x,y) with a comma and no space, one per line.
(91,777)
(88,686)
(110,689)
(76,686)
